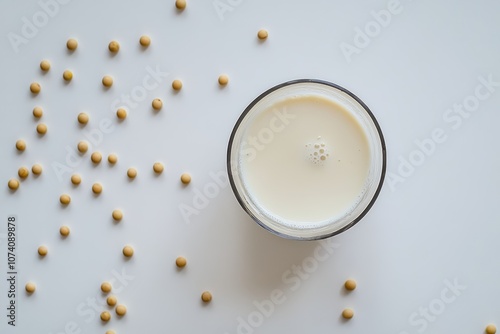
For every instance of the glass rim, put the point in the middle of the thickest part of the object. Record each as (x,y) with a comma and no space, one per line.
(243,115)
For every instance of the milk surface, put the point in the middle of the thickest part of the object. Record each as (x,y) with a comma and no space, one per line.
(305,159)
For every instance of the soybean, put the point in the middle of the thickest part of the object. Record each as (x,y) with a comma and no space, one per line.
(30,287)
(106,287)
(67,75)
(107,81)
(347,313)
(83,118)
(83,146)
(121,113)
(105,316)
(350,284)
(41,129)
(42,250)
(64,231)
(20,145)
(121,310)
(72,44)
(23,172)
(37,112)
(96,157)
(112,158)
(180,262)
(262,34)
(206,297)
(117,215)
(65,199)
(76,179)
(180,4)
(223,79)
(185,178)
(35,88)
(145,41)
(157,104)
(114,46)
(128,251)
(13,184)
(45,65)
(97,188)
(158,167)
(132,173)
(36,169)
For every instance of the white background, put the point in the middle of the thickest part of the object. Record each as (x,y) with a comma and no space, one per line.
(441,223)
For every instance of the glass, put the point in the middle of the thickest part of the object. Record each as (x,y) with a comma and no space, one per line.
(377,163)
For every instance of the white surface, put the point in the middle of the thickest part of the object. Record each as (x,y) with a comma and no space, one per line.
(441,223)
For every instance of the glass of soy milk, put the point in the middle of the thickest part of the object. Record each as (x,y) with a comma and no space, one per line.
(306,159)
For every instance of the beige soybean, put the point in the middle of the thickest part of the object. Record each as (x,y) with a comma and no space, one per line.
(112,158)
(121,113)
(65,199)
(41,129)
(13,184)
(76,179)
(45,65)
(111,300)
(83,118)
(20,145)
(262,34)
(110,332)
(83,147)
(180,262)
(37,112)
(491,329)
(96,157)
(157,104)
(132,173)
(180,4)
(347,313)
(185,178)
(223,79)
(42,250)
(35,88)
(106,287)
(72,44)
(117,215)
(97,188)
(30,287)
(145,41)
(206,297)
(107,81)
(114,46)
(105,316)
(128,251)
(23,172)
(64,231)
(177,84)
(350,284)
(158,167)
(67,75)
(121,310)
(36,169)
